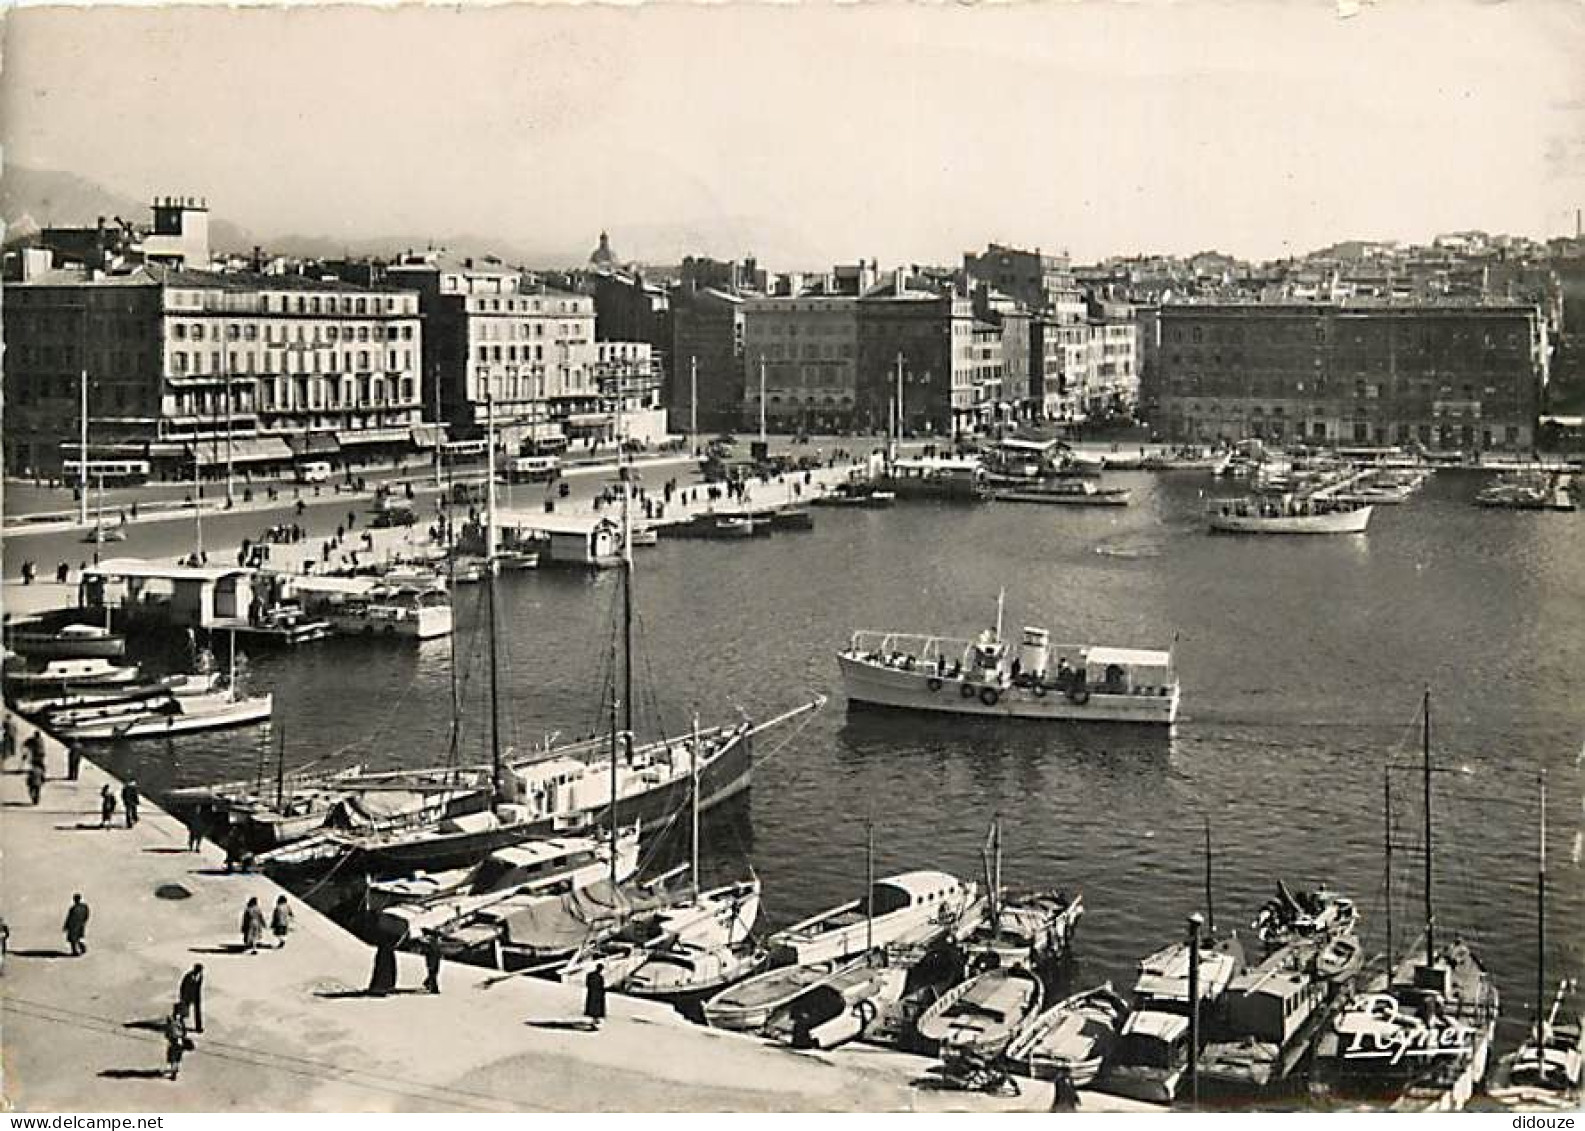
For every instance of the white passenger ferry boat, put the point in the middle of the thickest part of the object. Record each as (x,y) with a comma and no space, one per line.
(987,676)
(1290,515)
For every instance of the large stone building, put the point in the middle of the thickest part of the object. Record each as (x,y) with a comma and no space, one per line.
(807,346)
(932,337)
(1466,376)
(190,368)
(705,377)
(1038,281)
(492,333)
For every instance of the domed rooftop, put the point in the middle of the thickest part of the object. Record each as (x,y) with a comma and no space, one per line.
(603,256)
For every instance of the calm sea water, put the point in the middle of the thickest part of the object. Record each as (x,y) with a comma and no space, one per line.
(1303,663)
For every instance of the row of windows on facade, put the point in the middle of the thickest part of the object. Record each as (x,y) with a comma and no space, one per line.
(1358,431)
(1401,333)
(299,394)
(278,332)
(1379,363)
(1320,387)
(312,362)
(491,329)
(292,304)
(530,306)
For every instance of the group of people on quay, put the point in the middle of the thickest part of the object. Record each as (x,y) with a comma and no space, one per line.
(258,930)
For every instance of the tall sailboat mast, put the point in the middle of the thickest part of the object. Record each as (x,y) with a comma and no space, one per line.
(1540,925)
(622,724)
(489,577)
(1430,917)
(82,456)
(693,772)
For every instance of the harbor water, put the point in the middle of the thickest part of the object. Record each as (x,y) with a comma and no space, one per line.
(1303,661)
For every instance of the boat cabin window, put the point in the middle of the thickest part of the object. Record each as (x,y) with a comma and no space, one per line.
(889,897)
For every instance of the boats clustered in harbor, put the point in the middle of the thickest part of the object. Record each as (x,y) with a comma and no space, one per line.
(537,861)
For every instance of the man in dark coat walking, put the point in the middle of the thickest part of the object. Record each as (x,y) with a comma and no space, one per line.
(35,780)
(74,759)
(107,805)
(76,926)
(191,996)
(594,997)
(129,802)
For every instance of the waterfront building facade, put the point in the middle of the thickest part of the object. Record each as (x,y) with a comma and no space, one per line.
(495,335)
(1462,377)
(808,347)
(190,369)
(706,372)
(934,336)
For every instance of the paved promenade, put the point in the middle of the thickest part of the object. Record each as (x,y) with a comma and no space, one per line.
(291,1030)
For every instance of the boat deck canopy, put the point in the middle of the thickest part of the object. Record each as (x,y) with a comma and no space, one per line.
(141,570)
(1128,657)
(1166,1027)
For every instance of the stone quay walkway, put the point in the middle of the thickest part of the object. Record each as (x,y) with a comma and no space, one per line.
(291,1029)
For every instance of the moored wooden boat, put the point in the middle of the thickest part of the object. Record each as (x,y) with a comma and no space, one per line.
(687,969)
(198,713)
(910,907)
(840,1008)
(1073,1037)
(71,641)
(747,1006)
(980,1017)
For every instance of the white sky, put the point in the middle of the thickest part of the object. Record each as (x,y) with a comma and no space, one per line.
(824,133)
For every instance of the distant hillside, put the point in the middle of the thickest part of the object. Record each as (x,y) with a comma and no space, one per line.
(44,197)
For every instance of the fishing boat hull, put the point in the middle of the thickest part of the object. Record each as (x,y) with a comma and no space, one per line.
(198,716)
(1354,521)
(1118,498)
(920,690)
(66,645)
(981,1017)
(748,1006)
(1071,1038)
(721,778)
(694,972)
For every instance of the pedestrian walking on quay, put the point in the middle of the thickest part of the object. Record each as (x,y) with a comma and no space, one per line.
(107,805)
(281,921)
(10,746)
(176,1041)
(76,926)
(33,748)
(190,996)
(382,980)
(5,940)
(594,997)
(129,802)
(74,760)
(252,925)
(35,782)
(432,957)
(195,831)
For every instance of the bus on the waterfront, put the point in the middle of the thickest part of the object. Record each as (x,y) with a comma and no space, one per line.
(110,472)
(532,469)
(459,451)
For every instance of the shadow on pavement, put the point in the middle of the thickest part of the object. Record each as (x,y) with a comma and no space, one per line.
(132,1073)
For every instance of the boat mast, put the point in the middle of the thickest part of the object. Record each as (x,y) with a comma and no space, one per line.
(1210,906)
(869,884)
(1386,806)
(1001,603)
(280,770)
(1430,918)
(693,772)
(489,578)
(1540,925)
